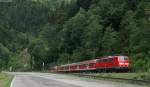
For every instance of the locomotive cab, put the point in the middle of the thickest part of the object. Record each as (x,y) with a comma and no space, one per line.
(123,61)
(113,63)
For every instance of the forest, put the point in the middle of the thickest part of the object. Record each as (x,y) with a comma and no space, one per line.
(54,32)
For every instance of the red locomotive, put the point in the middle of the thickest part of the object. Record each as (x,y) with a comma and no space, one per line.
(98,64)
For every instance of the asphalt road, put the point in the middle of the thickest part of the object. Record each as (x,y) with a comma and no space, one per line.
(57,80)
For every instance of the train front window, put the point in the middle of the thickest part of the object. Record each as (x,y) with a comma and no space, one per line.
(91,64)
(122,58)
(125,58)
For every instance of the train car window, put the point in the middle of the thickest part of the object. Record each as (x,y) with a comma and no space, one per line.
(84,65)
(99,60)
(74,67)
(105,60)
(91,64)
(111,59)
(66,67)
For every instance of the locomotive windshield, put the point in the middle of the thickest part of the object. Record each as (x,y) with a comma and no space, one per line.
(122,58)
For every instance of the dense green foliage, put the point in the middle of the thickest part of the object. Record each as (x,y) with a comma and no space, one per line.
(65,31)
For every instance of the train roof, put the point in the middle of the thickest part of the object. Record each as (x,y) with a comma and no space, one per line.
(88,61)
(78,63)
(109,56)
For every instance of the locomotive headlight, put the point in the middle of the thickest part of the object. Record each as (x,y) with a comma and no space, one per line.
(121,63)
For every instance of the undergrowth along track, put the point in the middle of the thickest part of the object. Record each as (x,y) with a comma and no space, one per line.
(94,76)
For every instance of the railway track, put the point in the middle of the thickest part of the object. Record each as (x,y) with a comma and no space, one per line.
(133,81)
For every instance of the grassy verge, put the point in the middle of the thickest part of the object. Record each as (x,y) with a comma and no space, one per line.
(137,76)
(134,76)
(108,76)
(5,80)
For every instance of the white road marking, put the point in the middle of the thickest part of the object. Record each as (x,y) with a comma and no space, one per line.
(11,85)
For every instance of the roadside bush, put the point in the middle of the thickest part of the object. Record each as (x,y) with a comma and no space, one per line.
(140,63)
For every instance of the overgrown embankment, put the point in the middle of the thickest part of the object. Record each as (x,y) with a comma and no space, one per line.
(137,76)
